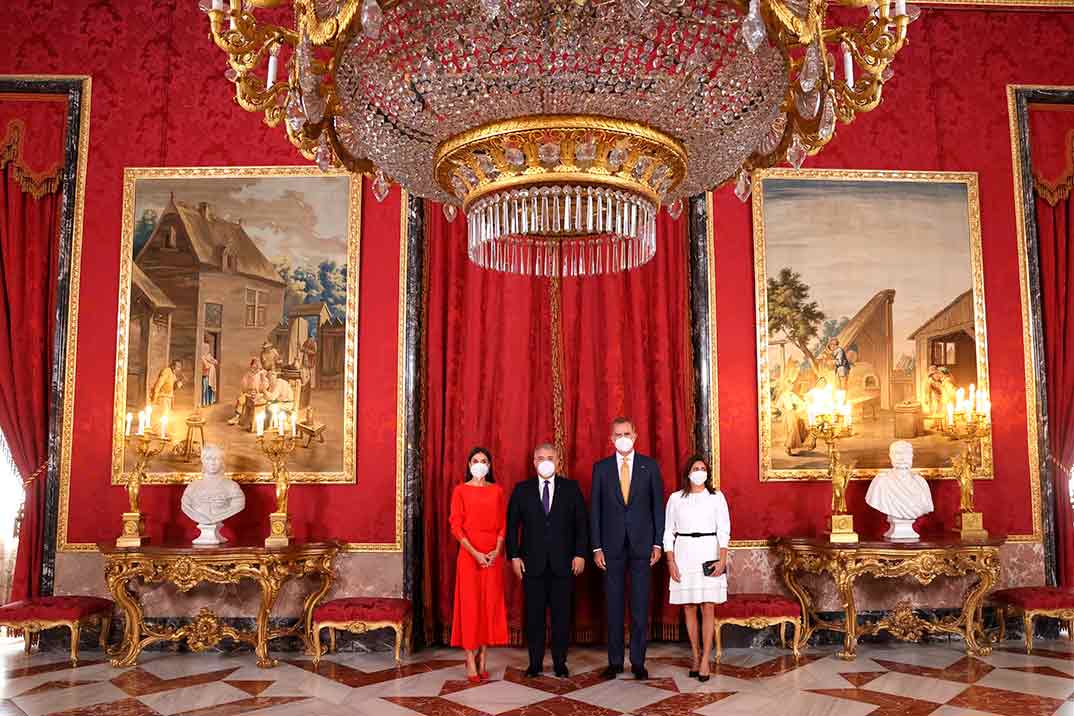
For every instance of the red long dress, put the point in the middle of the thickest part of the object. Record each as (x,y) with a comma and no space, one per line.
(478,514)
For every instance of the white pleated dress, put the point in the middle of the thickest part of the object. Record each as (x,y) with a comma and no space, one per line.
(697,512)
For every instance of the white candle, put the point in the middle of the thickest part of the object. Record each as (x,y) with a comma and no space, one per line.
(848,65)
(141,422)
(900,8)
(294,425)
(218,4)
(950,414)
(164,425)
(130,418)
(849,415)
(260,420)
(273,63)
(149,416)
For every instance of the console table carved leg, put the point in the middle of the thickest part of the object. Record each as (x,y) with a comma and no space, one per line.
(127,652)
(270,590)
(327,577)
(988,575)
(844,582)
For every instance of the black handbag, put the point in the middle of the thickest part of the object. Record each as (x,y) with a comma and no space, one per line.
(709,568)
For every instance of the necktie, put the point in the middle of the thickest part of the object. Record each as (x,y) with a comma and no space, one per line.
(624,478)
(546,500)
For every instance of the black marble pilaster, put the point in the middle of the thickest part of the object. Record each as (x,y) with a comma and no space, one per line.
(72,87)
(1023,98)
(700,340)
(412,370)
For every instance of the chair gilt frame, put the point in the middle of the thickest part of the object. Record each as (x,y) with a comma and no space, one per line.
(403,634)
(32,628)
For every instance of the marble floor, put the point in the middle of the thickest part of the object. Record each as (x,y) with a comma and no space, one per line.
(886,680)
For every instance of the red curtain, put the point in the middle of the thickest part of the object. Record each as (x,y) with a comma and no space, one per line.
(29,224)
(622,344)
(1052,153)
(1057,307)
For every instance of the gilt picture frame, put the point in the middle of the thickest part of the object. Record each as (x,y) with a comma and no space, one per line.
(871,281)
(238,297)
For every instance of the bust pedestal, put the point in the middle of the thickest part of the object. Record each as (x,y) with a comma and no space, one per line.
(210,534)
(900,529)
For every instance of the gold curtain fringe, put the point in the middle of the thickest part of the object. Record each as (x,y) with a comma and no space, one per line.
(35,184)
(1058,190)
(1053,193)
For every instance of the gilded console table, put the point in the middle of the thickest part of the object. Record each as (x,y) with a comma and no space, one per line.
(924,561)
(186,566)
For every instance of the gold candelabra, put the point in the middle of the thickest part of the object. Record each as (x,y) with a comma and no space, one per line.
(968,428)
(831,427)
(277,447)
(148,445)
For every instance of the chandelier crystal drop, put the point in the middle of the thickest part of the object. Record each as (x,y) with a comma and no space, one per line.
(558,127)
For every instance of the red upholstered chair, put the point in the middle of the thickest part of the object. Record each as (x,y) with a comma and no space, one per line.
(359,615)
(1033,602)
(31,616)
(758,611)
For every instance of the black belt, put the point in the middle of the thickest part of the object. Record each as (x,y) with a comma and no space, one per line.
(695,534)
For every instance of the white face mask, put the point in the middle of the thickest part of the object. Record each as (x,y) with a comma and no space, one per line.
(698,477)
(624,444)
(546,468)
(479,469)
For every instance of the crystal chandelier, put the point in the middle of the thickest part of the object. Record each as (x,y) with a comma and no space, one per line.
(559,127)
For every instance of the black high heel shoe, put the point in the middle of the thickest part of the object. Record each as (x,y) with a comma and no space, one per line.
(694,673)
(703,677)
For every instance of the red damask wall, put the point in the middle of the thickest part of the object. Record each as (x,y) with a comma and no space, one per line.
(160,99)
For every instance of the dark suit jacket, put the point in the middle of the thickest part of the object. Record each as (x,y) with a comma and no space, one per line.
(552,542)
(640,521)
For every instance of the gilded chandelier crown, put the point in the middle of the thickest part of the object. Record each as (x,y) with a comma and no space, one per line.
(512,109)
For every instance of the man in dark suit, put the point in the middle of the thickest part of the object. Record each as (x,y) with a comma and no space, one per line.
(550,511)
(627,531)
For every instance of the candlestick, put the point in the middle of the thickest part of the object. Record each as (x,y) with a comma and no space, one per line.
(259,421)
(848,66)
(147,448)
(278,449)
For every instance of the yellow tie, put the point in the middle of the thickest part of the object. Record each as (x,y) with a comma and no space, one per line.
(624,478)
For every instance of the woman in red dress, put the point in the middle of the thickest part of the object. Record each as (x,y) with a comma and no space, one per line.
(478,522)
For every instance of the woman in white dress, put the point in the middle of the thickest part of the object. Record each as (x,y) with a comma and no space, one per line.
(698,531)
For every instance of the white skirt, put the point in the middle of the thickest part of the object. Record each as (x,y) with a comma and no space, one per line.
(695,587)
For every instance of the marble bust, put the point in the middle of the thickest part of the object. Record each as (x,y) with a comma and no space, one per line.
(900,493)
(213,497)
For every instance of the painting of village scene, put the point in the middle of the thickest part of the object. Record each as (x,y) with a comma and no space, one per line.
(869,286)
(238,298)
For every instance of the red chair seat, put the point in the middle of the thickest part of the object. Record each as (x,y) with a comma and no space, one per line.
(366,609)
(1035,597)
(743,606)
(67,608)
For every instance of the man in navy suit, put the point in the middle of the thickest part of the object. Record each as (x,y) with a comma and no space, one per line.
(549,510)
(627,529)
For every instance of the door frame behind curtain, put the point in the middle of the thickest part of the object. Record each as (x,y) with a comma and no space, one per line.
(76,89)
(1019,97)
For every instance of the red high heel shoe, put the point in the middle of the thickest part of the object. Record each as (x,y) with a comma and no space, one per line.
(484,675)
(476,679)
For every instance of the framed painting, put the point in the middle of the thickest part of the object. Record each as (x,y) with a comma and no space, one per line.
(869,283)
(238,300)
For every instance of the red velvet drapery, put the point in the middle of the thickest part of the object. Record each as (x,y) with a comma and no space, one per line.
(1052,134)
(622,344)
(29,221)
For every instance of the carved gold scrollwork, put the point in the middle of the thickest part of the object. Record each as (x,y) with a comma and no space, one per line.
(845,564)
